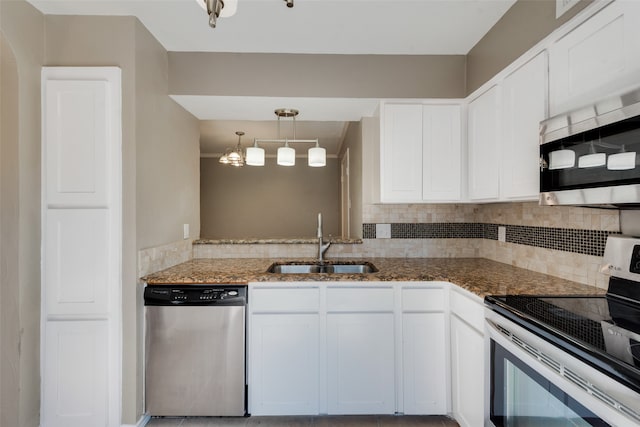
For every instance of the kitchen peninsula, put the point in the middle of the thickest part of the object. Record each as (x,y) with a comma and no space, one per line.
(314,340)
(479,276)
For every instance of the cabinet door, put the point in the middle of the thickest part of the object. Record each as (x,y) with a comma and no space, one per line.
(483,138)
(401,153)
(424,363)
(75,373)
(77,121)
(467,374)
(283,364)
(81,246)
(441,152)
(524,97)
(597,58)
(360,365)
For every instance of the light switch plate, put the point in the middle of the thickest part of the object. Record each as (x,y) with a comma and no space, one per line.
(185,231)
(502,233)
(383,231)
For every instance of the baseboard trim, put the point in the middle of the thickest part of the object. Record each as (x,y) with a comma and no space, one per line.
(141,422)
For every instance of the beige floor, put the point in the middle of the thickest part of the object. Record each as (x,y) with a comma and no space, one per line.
(322,421)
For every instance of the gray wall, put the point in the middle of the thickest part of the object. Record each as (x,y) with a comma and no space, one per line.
(353,142)
(9,238)
(525,24)
(270,201)
(344,76)
(160,157)
(22,55)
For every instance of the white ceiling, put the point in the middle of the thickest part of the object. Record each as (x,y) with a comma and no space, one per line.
(414,27)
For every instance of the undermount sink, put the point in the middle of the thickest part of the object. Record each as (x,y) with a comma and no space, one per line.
(327,267)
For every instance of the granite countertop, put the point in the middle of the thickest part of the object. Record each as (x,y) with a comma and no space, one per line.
(478,275)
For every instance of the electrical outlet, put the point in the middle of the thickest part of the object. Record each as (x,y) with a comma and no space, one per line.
(185,231)
(383,231)
(502,233)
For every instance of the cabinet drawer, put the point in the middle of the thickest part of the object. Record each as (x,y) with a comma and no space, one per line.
(422,299)
(284,300)
(468,310)
(359,299)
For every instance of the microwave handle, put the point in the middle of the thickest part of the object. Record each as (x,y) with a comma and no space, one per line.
(543,164)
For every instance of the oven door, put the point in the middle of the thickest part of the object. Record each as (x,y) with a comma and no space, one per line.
(534,383)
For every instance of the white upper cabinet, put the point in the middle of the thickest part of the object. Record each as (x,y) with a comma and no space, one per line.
(441,156)
(524,100)
(401,153)
(420,153)
(483,138)
(597,58)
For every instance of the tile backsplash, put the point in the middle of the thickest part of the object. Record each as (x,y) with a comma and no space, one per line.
(562,241)
(588,242)
(158,258)
(566,242)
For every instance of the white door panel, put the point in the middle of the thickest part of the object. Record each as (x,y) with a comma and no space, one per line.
(76,373)
(76,143)
(77,261)
(360,363)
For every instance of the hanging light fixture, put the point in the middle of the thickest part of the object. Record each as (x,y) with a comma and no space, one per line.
(234,156)
(287,154)
(218,8)
(255,155)
(317,156)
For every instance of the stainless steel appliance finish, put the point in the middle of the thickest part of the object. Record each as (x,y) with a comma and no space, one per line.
(582,353)
(591,156)
(195,350)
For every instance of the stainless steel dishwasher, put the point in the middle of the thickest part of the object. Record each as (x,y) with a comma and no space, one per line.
(195,350)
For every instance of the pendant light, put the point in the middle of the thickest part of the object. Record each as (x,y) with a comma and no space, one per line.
(255,155)
(317,156)
(234,156)
(286,154)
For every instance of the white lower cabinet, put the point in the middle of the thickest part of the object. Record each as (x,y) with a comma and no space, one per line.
(76,373)
(348,348)
(360,368)
(425,371)
(284,364)
(467,361)
(283,350)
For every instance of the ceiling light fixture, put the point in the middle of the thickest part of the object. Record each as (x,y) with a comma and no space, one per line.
(234,156)
(286,154)
(218,8)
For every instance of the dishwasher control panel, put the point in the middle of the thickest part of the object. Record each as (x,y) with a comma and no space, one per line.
(195,295)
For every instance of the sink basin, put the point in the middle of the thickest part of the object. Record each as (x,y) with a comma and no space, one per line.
(329,268)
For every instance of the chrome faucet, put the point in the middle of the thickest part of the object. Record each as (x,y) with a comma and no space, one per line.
(322,247)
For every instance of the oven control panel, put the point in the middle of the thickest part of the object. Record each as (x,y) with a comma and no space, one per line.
(622,257)
(635,260)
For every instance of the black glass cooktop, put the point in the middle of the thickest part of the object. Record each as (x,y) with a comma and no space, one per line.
(601,331)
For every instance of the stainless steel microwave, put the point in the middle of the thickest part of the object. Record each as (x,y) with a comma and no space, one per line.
(591,156)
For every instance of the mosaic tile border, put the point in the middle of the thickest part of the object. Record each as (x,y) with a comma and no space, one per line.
(588,242)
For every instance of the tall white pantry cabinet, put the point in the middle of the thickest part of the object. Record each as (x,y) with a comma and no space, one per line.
(81,242)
